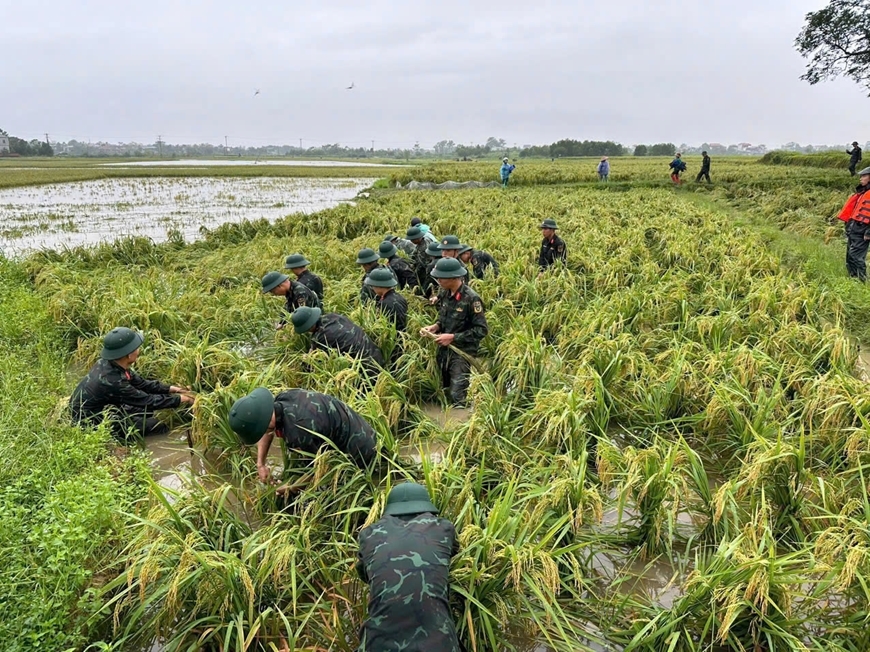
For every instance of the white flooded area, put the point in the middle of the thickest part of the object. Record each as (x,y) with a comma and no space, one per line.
(65,215)
(200,163)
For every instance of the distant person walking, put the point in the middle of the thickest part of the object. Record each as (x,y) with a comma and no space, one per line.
(603,169)
(705,169)
(506,169)
(677,166)
(856,215)
(855,157)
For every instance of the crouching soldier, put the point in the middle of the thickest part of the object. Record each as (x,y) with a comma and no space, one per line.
(391,304)
(295,294)
(112,389)
(405,559)
(334,331)
(368,260)
(304,421)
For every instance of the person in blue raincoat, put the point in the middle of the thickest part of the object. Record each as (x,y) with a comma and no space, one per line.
(506,169)
(603,169)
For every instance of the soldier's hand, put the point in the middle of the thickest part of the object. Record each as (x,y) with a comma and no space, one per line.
(187,398)
(445,339)
(279,326)
(433,300)
(264,473)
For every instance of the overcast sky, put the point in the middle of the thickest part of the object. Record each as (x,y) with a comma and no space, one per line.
(523,70)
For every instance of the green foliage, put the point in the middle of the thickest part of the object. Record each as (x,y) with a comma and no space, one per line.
(817,160)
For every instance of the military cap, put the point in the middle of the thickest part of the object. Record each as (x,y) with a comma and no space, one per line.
(119,342)
(463,249)
(272,280)
(296,260)
(414,233)
(381,278)
(449,268)
(434,250)
(366,256)
(449,242)
(415,221)
(863,172)
(548,224)
(409,498)
(390,237)
(386,249)
(304,318)
(250,415)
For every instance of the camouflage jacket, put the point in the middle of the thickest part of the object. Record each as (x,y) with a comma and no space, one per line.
(109,384)
(304,419)
(419,263)
(552,251)
(312,282)
(462,314)
(406,562)
(366,293)
(402,271)
(299,295)
(480,262)
(430,287)
(394,306)
(340,333)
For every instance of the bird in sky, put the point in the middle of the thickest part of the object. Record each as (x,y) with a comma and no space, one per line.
(350,87)
(256,92)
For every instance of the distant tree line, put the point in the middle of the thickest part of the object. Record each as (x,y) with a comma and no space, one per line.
(568,147)
(659,149)
(24,148)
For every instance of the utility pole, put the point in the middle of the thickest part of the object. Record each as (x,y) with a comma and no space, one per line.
(300,143)
(160,145)
(373,146)
(226,147)
(46,140)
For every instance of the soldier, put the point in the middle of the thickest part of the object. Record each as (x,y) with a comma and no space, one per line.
(419,260)
(553,248)
(298,264)
(400,243)
(112,389)
(405,559)
(304,421)
(402,269)
(294,293)
(450,246)
(433,252)
(368,260)
(333,331)
(480,261)
(461,324)
(392,304)
(427,232)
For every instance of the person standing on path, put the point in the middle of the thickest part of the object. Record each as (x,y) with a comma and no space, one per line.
(405,559)
(603,169)
(856,215)
(705,169)
(113,390)
(677,166)
(295,294)
(298,264)
(506,169)
(855,157)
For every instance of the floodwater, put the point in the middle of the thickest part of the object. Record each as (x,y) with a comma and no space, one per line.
(194,163)
(88,212)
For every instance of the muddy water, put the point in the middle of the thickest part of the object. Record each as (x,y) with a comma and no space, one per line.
(72,214)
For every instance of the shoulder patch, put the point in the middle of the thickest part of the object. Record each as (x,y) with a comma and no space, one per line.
(478,306)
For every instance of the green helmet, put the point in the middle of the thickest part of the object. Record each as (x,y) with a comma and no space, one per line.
(386,249)
(272,280)
(381,278)
(296,260)
(449,268)
(119,342)
(434,250)
(250,415)
(414,233)
(449,242)
(409,498)
(366,256)
(390,237)
(463,249)
(304,318)
(548,224)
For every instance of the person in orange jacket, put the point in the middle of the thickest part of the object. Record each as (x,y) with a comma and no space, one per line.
(856,215)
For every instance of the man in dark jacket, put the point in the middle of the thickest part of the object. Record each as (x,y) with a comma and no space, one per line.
(403,271)
(298,265)
(705,169)
(112,389)
(480,261)
(405,559)
(304,421)
(333,331)
(856,215)
(461,324)
(294,293)
(553,248)
(392,304)
(433,253)
(368,260)
(419,259)
(855,157)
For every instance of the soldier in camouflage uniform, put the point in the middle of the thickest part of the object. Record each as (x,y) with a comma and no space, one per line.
(430,287)
(450,246)
(401,243)
(368,260)
(405,559)
(553,248)
(392,304)
(419,260)
(480,261)
(294,293)
(461,323)
(303,421)
(298,264)
(333,331)
(112,389)
(402,269)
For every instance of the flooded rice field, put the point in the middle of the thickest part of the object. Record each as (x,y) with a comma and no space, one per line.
(88,212)
(200,163)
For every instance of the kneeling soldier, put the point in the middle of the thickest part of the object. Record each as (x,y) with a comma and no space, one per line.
(461,324)
(392,304)
(368,260)
(480,261)
(333,331)
(295,294)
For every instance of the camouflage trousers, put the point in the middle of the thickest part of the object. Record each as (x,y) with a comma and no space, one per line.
(455,372)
